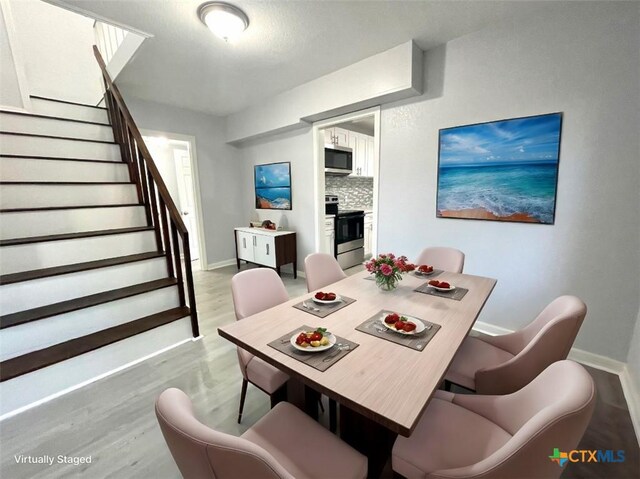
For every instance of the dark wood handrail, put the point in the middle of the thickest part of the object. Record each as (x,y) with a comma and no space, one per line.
(152,193)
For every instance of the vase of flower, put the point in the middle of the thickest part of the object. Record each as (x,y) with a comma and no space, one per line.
(388,270)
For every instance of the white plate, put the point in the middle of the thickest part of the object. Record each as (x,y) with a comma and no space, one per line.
(311,349)
(419,273)
(419,326)
(322,301)
(444,290)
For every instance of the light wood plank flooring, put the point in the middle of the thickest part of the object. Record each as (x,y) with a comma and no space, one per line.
(113,421)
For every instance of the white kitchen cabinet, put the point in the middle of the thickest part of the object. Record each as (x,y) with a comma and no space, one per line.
(330,236)
(369,156)
(266,248)
(368,234)
(362,153)
(336,136)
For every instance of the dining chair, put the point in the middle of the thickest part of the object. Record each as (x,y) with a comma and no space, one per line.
(503,364)
(285,444)
(320,270)
(464,436)
(447,259)
(253,291)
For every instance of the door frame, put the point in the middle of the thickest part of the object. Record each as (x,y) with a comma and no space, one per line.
(195,177)
(318,171)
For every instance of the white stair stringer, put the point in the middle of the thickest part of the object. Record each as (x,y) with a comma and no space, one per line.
(67,110)
(29,389)
(38,125)
(57,147)
(33,336)
(34,293)
(40,170)
(48,254)
(47,195)
(25,224)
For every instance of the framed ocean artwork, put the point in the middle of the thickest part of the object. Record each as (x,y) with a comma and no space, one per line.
(273,186)
(504,170)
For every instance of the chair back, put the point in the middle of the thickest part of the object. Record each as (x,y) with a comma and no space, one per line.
(553,411)
(447,259)
(545,340)
(253,291)
(201,452)
(320,270)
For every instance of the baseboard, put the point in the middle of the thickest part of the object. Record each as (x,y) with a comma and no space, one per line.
(597,361)
(221,264)
(490,329)
(631,392)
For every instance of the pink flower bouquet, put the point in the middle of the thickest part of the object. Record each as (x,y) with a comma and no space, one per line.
(388,269)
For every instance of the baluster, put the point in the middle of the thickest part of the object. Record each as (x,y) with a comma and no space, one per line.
(143,180)
(190,287)
(176,254)
(131,150)
(165,235)
(154,209)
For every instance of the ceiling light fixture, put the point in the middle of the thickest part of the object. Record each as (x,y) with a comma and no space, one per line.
(224,20)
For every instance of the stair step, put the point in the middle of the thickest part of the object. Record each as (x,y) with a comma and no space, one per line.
(70,110)
(61,158)
(66,102)
(51,117)
(37,169)
(67,236)
(20,122)
(74,268)
(73,207)
(57,147)
(27,363)
(56,221)
(24,195)
(55,137)
(63,307)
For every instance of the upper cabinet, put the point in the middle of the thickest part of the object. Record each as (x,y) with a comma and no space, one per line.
(361,144)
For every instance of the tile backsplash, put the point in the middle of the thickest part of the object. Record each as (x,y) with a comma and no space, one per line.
(353,191)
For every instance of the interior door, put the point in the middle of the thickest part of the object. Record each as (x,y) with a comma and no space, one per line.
(186,201)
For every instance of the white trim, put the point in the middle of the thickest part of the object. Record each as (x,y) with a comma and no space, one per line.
(318,171)
(597,361)
(490,329)
(16,53)
(221,264)
(202,246)
(632,395)
(92,380)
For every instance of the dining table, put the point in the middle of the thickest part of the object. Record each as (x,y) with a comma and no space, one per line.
(382,387)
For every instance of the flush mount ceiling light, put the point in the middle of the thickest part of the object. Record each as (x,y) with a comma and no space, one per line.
(224,20)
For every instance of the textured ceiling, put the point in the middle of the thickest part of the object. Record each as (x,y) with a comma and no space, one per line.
(287,43)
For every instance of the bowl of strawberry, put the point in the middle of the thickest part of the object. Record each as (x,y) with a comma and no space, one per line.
(326,298)
(441,285)
(313,341)
(402,324)
(424,270)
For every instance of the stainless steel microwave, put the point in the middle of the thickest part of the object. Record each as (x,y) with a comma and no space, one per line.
(338,161)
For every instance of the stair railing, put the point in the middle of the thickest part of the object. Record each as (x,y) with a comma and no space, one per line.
(161,211)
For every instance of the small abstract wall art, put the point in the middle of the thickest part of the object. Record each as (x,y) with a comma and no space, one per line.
(503,170)
(273,186)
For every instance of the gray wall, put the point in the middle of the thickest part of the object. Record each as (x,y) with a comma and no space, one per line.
(218,170)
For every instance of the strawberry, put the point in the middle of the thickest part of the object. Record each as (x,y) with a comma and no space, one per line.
(444,285)
(409,326)
(399,325)
(434,282)
(330,297)
(319,295)
(392,318)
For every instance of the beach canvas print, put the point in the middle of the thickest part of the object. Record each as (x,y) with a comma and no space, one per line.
(502,170)
(273,186)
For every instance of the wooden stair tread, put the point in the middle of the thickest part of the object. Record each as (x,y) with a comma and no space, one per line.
(77,207)
(29,362)
(21,317)
(62,158)
(51,117)
(77,267)
(66,183)
(66,101)
(56,137)
(66,236)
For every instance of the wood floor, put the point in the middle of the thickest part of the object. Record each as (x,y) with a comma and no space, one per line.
(112,421)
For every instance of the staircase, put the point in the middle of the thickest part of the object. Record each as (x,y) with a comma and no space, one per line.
(91,270)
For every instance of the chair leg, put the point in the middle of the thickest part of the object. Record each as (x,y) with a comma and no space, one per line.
(320,404)
(243,396)
(278,395)
(333,415)
(447,385)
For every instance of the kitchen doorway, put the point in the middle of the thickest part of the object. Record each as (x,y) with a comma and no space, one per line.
(346,172)
(175,157)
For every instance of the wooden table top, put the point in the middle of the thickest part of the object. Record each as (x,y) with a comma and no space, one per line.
(387,382)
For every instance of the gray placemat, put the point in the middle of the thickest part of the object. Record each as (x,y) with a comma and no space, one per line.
(323,310)
(456,294)
(428,276)
(320,361)
(374,327)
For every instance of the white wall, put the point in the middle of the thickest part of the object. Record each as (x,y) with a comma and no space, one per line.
(218,170)
(10,94)
(297,148)
(583,62)
(57,47)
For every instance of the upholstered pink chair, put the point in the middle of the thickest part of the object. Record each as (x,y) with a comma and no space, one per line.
(321,269)
(447,259)
(470,436)
(254,291)
(285,443)
(503,364)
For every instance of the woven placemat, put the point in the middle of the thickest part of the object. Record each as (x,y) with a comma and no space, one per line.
(456,294)
(430,275)
(323,310)
(320,361)
(374,327)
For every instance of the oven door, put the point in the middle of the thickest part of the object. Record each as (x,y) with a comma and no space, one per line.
(349,228)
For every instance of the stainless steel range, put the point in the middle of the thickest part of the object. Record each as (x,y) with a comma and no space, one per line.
(349,224)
